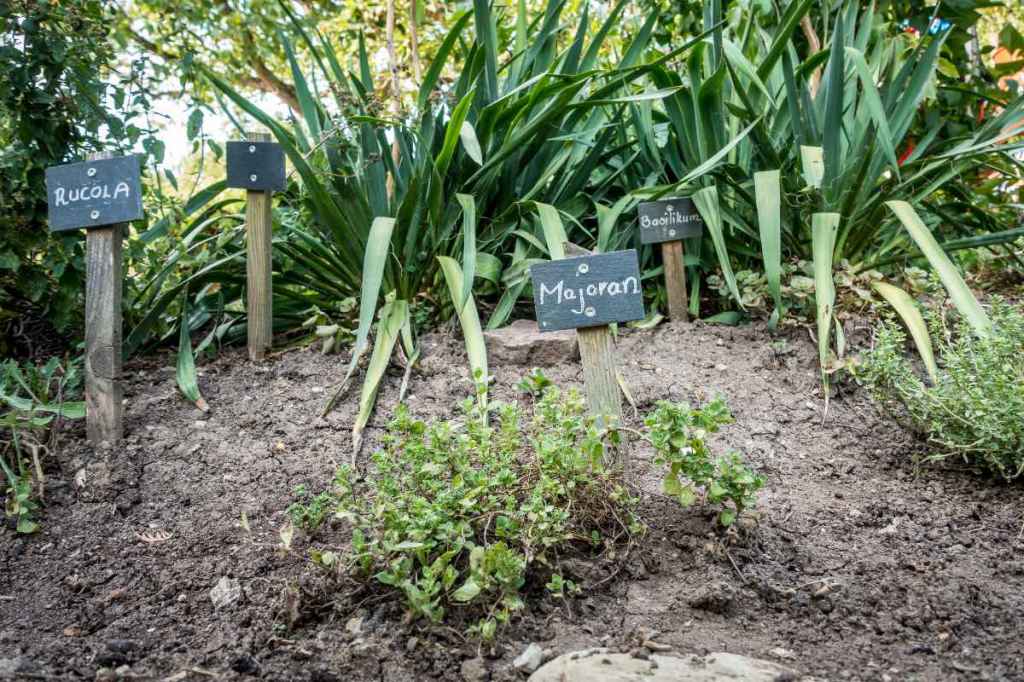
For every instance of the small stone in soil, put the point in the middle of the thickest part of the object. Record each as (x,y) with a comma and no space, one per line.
(354,625)
(530,659)
(225,593)
(715,597)
(782,654)
(474,670)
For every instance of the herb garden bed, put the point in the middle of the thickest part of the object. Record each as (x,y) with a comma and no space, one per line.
(860,567)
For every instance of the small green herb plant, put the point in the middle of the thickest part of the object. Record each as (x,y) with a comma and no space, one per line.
(678,434)
(974,409)
(472,512)
(310,511)
(33,400)
(468,516)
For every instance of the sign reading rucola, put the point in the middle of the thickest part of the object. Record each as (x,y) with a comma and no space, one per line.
(587,291)
(94,193)
(256,166)
(669,220)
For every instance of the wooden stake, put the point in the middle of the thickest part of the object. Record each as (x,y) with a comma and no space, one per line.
(675,280)
(104,274)
(600,380)
(597,354)
(259,289)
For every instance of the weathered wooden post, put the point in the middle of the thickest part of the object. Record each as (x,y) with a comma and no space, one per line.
(597,355)
(587,293)
(257,165)
(669,222)
(102,194)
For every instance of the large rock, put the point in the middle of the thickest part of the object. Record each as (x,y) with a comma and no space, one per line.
(521,343)
(598,665)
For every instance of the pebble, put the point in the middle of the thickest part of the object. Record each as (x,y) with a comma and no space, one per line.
(225,593)
(354,626)
(715,597)
(474,670)
(531,658)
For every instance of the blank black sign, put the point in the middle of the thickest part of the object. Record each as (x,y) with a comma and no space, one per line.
(257,166)
(93,193)
(587,291)
(669,220)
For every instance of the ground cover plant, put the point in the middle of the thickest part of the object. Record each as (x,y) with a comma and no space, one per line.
(971,407)
(34,399)
(468,517)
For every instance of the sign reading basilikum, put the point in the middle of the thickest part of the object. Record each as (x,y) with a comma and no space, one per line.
(669,220)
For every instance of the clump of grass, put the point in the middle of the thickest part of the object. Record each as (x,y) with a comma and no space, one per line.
(974,409)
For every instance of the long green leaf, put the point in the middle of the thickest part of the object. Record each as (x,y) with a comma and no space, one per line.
(469,319)
(875,106)
(706,201)
(768,196)
(454,132)
(824,227)
(907,309)
(374,260)
(468,248)
(467,133)
(812,162)
(963,298)
(554,230)
(437,64)
(186,372)
(487,38)
(393,318)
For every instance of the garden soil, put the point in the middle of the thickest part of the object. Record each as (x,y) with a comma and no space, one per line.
(862,566)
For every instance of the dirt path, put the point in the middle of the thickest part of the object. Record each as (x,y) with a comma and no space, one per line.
(861,567)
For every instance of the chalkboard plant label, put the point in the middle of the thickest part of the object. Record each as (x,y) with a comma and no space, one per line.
(94,193)
(669,220)
(256,166)
(587,291)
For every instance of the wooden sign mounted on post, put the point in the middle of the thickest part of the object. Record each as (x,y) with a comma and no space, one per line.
(102,195)
(257,166)
(668,222)
(587,293)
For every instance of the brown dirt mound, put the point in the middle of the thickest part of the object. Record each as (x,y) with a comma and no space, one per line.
(861,567)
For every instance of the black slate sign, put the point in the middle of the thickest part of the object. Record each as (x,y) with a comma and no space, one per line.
(587,291)
(669,220)
(93,193)
(257,166)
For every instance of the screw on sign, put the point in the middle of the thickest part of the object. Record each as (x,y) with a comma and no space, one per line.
(257,166)
(668,222)
(587,293)
(102,195)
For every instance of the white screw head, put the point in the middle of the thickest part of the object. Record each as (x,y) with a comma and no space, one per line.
(91,172)
(252,149)
(252,178)
(94,214)
(590,312)
(672,232)
(583,269)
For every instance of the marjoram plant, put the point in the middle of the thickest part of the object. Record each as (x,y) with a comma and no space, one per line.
(473,514)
